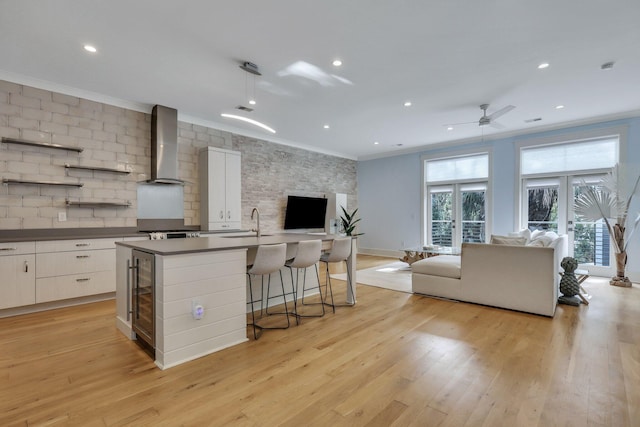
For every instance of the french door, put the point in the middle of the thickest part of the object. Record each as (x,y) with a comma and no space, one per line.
(548,204)
(456,214)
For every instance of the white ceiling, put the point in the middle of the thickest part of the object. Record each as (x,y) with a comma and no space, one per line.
(446,57)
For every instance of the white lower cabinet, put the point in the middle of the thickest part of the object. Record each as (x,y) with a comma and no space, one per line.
(18,272)
(74,285)
(75,268)
(55,270)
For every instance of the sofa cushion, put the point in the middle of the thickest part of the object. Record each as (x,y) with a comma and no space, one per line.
(441,265)
(508,240)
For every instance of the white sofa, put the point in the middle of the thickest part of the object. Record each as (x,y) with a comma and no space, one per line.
(523,278)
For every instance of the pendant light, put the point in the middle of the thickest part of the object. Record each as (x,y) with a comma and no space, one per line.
(252,69)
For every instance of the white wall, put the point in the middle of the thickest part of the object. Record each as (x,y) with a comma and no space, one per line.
(389,191)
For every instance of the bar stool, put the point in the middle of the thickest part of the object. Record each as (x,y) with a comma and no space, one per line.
(340,252)
(308,254)
(269,259)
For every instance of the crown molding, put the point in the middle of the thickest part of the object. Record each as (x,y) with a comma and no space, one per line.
(530,132)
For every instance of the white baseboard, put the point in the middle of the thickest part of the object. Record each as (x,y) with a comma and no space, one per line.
(45,306)
(381,252)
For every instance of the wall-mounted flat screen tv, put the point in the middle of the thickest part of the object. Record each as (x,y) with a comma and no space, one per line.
(305,212)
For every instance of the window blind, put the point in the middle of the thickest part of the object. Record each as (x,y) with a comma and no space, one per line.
(457,168)
(567,157)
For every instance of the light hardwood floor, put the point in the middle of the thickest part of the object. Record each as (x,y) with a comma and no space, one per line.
(395,359)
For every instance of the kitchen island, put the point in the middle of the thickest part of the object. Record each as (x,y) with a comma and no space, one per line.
(207,273)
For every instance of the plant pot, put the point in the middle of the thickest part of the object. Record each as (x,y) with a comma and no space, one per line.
(620,279)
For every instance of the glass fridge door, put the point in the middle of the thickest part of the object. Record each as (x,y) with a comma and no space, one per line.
(143,296)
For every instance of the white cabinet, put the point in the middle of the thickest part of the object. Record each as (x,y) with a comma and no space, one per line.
(74,268)
(17,269)
(220,189)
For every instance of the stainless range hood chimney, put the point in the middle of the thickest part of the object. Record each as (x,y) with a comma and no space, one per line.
(164,146)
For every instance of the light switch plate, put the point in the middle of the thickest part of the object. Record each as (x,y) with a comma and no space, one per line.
(62,216)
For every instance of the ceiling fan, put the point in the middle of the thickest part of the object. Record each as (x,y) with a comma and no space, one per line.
(488,119)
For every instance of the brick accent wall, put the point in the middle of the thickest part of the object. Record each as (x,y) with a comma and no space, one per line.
(271,172)
(116,137)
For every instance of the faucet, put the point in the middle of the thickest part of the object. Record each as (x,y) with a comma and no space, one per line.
(257,229)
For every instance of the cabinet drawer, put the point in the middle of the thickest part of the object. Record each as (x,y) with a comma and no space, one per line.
(224,225)
(75,245)
(75,285)
(17,286)
(63,263)
(17,248)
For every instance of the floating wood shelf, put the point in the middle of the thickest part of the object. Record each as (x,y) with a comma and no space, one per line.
(99,169)
(27,182)
(99,204)
(42,144)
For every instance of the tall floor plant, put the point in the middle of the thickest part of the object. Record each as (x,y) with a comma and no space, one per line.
(609,200)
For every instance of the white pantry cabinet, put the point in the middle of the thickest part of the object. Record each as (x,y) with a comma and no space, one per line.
(18,273)
(220,189)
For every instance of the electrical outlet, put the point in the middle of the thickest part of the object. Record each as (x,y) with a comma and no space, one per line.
(62,216)
(197,310)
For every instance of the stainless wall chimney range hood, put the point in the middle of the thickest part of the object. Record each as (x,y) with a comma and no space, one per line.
(164,146)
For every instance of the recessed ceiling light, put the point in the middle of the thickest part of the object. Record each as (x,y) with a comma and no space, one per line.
(252,101)
(337,62)
(450,128)
(543,65)
(407,104)
(248,120)
(376,143)
(559,107)
(90,48)
(326,126)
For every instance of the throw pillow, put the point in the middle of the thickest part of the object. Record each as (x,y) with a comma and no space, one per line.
(526,233)
(507,240)
(542,240)
(555,242)
(536,234)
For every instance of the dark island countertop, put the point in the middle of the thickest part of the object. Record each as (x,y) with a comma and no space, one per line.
(219,243)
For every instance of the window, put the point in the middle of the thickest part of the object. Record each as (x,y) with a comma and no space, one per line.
(552,176)
(455,199)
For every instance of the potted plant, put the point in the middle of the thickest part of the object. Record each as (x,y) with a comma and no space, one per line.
(609,200)
(349,221)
